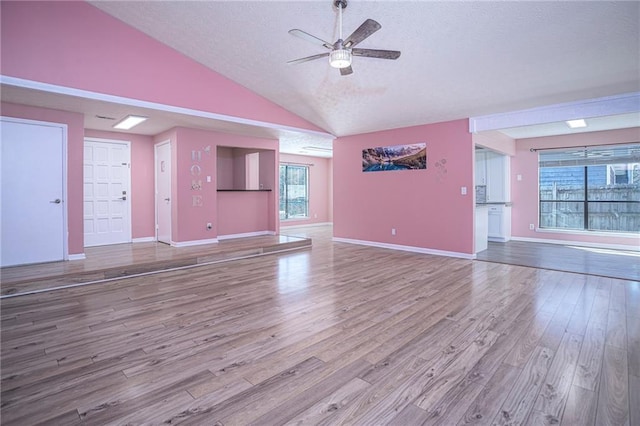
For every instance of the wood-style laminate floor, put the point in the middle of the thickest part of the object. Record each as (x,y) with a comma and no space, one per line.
(623,264)
(339,334)
(122,260)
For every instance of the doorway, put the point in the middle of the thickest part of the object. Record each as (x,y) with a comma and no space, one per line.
(163,191)
(33,174)
(107,193)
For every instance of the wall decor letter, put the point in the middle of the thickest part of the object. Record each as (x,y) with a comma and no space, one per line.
(196,170)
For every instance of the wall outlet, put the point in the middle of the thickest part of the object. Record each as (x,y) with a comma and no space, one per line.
(209,226)
(463,190)
(531,227)
(393,231)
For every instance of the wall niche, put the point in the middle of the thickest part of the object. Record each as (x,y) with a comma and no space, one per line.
(245,169)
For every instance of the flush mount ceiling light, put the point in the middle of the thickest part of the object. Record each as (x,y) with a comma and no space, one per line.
(129,122)
(576,124)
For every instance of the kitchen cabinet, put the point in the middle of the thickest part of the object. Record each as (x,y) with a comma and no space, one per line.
(481,228)
(499,223)
(481,168)
(496,177)
(492,171)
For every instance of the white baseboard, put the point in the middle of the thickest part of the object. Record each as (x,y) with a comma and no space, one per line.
(498,239)
(578,243)
(406,248)
(194,243)
(143,240)
(245,235)
(305,225)
(79,256)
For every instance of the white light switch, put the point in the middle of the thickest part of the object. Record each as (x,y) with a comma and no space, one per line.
(463,190)
(208,178)
(519,177)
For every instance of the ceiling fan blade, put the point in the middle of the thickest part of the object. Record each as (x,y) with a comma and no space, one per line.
(310,38)
(367,28)
(346,71)
(376,53)
(308,58)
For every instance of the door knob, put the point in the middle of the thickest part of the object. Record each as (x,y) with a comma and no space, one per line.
(122,198)
(166,199)
(56,201)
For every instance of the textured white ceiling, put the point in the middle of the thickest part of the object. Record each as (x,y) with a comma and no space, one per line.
(459,59)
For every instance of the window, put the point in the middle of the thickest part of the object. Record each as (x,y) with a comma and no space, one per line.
(593,188)
(294,191)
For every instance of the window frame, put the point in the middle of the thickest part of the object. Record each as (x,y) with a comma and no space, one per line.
(585,188)
(288,214)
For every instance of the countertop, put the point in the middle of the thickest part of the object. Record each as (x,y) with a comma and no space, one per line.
(496,203)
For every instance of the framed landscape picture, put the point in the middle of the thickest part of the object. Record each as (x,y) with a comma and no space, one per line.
(396,157)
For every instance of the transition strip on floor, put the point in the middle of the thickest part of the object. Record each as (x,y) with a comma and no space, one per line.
(73,280)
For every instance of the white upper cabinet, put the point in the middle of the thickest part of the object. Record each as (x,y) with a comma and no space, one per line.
(481,168)
(493,170)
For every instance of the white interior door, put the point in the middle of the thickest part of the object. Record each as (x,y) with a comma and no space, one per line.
(33,175)
(163,192)
(107,193)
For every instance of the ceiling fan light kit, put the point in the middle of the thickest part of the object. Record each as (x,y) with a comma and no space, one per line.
(340,58)
(342,51)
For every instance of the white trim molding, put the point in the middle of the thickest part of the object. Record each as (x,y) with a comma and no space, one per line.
(143,240)
(70,91)
(579,244)
(413,249)
(598,107)
(194,243)
(245,235)
(77,256)
(305,225)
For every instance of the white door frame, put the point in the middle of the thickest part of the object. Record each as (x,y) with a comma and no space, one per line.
(65,215)
(155,183)
(129,190)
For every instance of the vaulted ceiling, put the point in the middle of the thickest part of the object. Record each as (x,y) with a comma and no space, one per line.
(459,59)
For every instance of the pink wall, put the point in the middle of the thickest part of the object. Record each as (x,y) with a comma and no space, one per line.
(192,216)
(142,180)
(320,189)
(424,206)
(225,167)
(74,44)
(239,168)
(524,193)
(237,212)
(495,141)
(75,149)
(189,221)
(268,177)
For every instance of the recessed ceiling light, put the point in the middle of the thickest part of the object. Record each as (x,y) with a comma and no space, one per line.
(129,122)
(576,124)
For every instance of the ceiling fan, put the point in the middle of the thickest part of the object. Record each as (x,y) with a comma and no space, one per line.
(343,50)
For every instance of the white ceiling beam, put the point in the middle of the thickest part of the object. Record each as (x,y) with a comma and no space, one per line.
(599,107)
